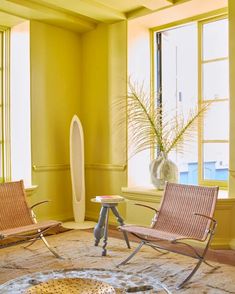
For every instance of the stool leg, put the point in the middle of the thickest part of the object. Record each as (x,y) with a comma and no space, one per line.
(121,222)
(105,241)
(99,230)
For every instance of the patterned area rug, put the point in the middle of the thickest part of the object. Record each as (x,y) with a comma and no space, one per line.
(79,252)
(122,282)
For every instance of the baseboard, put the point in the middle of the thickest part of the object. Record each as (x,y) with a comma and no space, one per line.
(221,243)
(58,217)
(232,244)
(93,217)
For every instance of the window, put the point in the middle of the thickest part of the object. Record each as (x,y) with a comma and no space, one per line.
(191,69)
(214,86)
(15,140)
(20,103)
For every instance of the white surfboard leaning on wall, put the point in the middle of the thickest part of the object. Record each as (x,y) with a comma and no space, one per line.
(77,169)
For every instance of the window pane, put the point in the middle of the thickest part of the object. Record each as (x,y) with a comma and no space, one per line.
(179,68)
(217,115)
(215,80)
(187,162)
(215,39)
(215,165)
(180,92)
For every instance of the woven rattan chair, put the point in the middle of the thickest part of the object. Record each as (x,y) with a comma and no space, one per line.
(17,220)
(186,213)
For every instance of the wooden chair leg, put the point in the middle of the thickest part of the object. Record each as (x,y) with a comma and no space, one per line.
(49,247)
(132,254)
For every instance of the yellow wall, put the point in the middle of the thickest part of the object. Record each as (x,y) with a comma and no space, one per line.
(232,107)
(232,93)
(55,94)
(84,74)
(103,81)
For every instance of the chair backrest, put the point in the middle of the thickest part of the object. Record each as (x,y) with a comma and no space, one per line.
(14,211)
(179,203)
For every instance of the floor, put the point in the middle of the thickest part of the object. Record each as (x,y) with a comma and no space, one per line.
(79,253)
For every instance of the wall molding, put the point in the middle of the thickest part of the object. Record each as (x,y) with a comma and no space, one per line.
(50,167)
(106,166)
(66,166)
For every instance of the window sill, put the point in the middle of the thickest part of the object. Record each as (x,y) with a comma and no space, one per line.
(30,190)
(150,194)
(147,194)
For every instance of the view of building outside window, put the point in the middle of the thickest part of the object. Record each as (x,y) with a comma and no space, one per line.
(189,81)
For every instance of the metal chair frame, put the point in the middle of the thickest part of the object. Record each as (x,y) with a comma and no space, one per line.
(154,242)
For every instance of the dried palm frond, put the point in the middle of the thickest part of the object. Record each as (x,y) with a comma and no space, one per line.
(151,126)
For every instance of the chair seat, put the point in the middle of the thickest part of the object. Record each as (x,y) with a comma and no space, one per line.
(149,233)
(29,228)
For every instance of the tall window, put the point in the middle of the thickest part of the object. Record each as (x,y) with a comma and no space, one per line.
(191,70)
(20,103)
(15,140)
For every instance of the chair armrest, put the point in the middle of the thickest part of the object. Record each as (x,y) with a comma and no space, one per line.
(39,203)
(34,205)
(209,218)
(150,207)
(154,219)
(206,216)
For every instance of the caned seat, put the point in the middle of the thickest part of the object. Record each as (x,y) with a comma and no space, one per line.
(186,213)
(17,219)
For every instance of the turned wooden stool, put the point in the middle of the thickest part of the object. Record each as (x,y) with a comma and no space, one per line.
(101,229)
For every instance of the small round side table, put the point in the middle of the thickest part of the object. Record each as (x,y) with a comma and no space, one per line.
(101,228)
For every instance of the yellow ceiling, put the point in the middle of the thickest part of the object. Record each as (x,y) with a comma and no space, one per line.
(80,15)
(83,15)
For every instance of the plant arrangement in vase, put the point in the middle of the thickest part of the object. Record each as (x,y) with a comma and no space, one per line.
(152,127)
